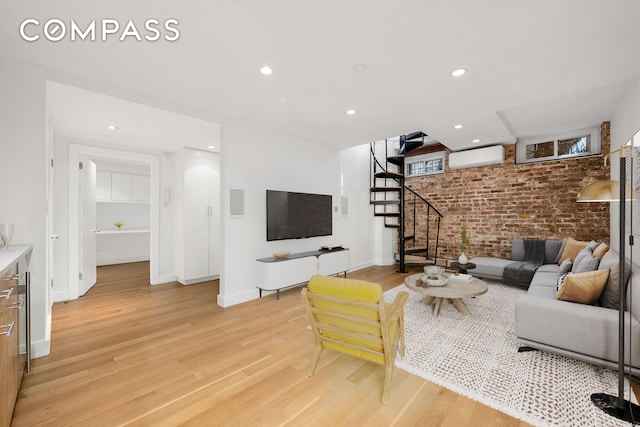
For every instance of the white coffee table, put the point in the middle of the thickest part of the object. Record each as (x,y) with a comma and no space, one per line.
(454,291)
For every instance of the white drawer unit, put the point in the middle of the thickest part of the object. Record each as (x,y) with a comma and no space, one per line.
(273,274)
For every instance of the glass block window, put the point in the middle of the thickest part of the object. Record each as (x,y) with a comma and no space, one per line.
(583,142)
(425,164)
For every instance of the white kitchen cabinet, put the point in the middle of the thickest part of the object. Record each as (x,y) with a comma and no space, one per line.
(103,185)
(140,188)
(121,187)
(201,215)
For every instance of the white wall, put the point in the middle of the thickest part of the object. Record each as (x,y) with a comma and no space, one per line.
(258,159)
(23,179)
(252,158)
(624,124)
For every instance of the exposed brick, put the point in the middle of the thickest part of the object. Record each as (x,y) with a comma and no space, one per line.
(503,202)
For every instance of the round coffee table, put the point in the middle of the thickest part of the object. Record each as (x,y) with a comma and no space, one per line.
(454,291)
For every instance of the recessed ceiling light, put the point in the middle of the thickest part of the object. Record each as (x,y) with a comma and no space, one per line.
(475,140)
(211,147)
(458,72)
(266,70)
(457,127)
(113,127)
(351,112)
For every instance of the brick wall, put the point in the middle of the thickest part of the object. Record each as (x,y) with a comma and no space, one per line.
(503,202)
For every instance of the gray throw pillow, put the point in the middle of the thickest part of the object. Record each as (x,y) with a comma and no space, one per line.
(561,251)
(609,297)
(586,263)
(565,267)
(582,254)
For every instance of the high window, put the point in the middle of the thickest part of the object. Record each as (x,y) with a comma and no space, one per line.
(425,164)
(583,142)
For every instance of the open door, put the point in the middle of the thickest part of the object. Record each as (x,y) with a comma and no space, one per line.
(87,252)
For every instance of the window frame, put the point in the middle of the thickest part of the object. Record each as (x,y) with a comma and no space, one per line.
(594,140)
(424,159)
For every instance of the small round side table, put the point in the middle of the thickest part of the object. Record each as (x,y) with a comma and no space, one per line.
(462,268)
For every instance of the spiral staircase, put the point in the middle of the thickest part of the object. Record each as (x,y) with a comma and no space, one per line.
(401,207)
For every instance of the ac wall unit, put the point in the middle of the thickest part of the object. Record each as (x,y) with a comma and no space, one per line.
(484,156)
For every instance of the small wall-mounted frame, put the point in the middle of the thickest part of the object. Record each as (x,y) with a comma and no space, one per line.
(236,202)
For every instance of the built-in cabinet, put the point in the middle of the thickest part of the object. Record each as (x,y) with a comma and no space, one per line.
(14,327)
(124,197)
(201,216)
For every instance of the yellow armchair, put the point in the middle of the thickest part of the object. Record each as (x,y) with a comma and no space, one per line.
(350,316)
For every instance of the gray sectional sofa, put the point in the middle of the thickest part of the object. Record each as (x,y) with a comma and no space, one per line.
(582,331)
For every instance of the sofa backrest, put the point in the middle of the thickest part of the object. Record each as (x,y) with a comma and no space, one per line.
(551,249)
(633,293)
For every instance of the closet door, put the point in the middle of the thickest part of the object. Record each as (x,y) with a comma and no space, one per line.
(200,178)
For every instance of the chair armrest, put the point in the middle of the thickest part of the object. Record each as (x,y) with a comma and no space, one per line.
(396,309)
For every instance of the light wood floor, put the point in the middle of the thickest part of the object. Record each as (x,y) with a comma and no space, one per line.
(135,355)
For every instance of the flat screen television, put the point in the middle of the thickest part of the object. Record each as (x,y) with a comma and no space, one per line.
(298,215)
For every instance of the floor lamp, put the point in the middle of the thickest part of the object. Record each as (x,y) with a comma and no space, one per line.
(616,191)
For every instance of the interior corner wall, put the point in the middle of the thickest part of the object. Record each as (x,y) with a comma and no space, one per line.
(500,203)
(256,159)
(23,189)
(624,124)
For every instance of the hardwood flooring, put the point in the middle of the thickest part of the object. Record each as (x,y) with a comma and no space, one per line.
(131,354)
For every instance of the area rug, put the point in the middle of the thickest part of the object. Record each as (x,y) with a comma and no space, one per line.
(477,356)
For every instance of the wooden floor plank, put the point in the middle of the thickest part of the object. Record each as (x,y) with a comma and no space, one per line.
(131,354)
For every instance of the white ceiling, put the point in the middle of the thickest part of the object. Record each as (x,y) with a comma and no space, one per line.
(533,66)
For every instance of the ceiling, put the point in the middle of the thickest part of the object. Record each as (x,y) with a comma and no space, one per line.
(533,66)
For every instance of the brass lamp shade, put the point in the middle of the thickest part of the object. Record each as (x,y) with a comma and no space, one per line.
(604,191)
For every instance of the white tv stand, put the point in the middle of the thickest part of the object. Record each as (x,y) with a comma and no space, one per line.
(273,274)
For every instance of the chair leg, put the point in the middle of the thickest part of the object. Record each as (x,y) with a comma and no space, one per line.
(402,336)
(386,388)
(314,360)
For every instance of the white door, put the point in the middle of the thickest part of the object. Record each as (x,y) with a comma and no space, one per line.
(87,216)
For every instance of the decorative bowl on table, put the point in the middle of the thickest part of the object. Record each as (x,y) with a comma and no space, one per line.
(433,270)
(281,255)
(434,279)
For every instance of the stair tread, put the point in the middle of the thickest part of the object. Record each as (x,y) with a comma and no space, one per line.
(386,188)
(387,214)
(387,174)
(385,202)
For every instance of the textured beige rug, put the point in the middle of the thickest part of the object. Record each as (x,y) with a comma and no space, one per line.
(477,356)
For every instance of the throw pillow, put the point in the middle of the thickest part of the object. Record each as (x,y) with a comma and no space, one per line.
(610,296)
(583,288)
(561,250)
(578,258)
(560,281)
(600,250)
(565,267)
(593,245)
(571,249)
(587,263)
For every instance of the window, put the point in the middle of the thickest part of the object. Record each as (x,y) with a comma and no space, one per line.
(583,142)
(426,164)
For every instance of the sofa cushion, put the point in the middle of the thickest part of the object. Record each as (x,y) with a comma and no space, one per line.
(549,268)
(545,278)
(584,288)
(592,245)
(488,266)
(571,249)
(547,292)
(610,297)
(586,251)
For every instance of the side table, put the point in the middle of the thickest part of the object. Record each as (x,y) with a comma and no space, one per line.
(462,268)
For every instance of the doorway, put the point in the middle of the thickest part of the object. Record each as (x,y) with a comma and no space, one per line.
(85,226)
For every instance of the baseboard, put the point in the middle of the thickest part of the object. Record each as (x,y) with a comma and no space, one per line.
(361,266)
(61,296)
(198,280)
(229,300)
(40,348)
(163,279)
